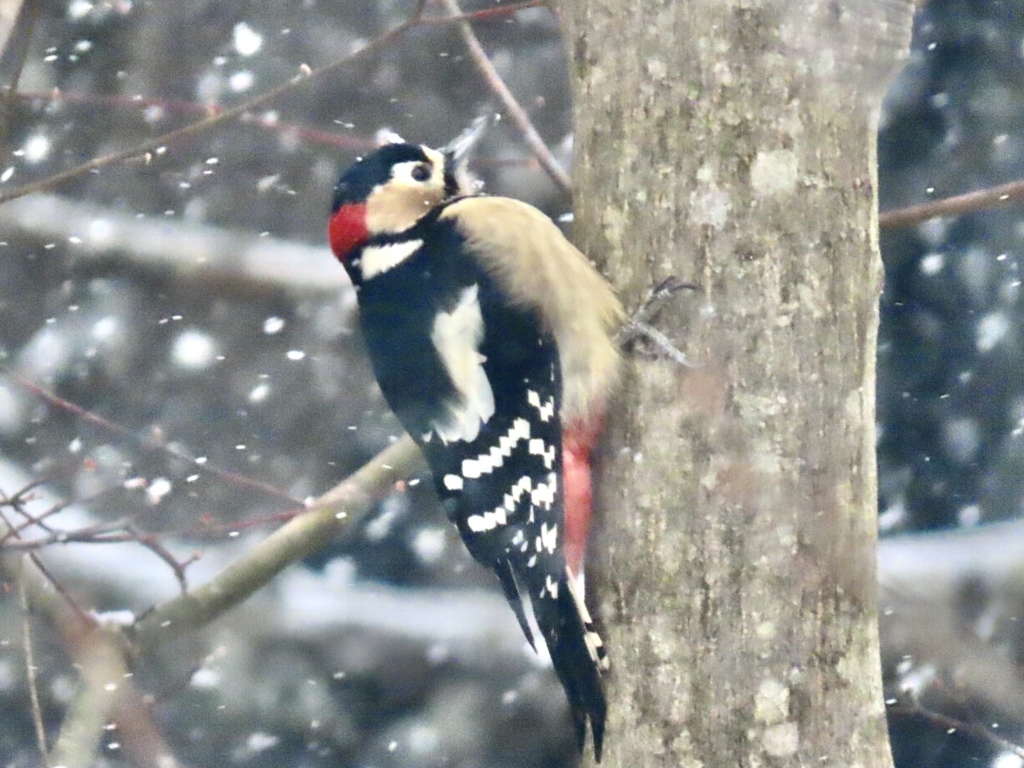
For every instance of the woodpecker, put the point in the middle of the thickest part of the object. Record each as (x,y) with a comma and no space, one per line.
(493,340)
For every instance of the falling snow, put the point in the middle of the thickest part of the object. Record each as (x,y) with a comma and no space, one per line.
(193,350)
(239,82)
(246,40)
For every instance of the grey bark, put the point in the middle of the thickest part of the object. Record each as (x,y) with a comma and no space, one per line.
(732,144)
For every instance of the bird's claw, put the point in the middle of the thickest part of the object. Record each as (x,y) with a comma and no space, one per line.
(638,326)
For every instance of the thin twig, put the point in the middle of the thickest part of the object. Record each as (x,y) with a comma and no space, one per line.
(107,693)
(914,708)
(153,544)
(14,531)
(149,147)
(979,200)
(99,532)
(30,520)
(55,536)
(487,13)
(508,101)
(346,503)
(30,669)
(117,532)
(310,135)
(151,441)
(40,568)
(58,588)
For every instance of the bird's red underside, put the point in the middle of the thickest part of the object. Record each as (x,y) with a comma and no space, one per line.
(577,443)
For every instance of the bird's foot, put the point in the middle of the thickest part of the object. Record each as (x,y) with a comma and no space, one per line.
(642,336)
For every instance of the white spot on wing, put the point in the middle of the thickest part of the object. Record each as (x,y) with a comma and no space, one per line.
(524,485)
(538,448)
(595,647)
(457,335)
(496,458)
(378,259)
(548,538)
(543,495)
(487,521)
(520,429)
(544,410)
(486,463)
(453,482)
(551,586)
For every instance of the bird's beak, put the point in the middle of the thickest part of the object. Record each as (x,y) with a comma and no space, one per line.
(457,179)
(456,152)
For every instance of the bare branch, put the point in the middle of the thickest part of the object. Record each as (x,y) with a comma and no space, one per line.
(508,101)
(924,585)
(344,504)
(306,74)
(30,668)
(107,691)
(980,200)
(181,106)
(151,441)
(916,709)
(487,13)
(152,543)
(230,260)
(103,674)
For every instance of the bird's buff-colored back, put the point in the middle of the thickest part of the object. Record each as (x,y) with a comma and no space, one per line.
(535,265)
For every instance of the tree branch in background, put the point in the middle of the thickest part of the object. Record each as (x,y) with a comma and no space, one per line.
(182,107)
(21,38)
(17,21)
(30,668)
(107,691)
(306,74)
(229,259)
(151,441)
(952,724)
(949,599)
(508,101)
(346,503)
(970,202)
(99,651)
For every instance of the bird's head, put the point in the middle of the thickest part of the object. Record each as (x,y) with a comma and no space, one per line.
(387,192)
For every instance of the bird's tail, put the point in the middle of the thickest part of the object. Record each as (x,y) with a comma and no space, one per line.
(578,656)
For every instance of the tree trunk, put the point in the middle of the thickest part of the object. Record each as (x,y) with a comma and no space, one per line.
(732,144)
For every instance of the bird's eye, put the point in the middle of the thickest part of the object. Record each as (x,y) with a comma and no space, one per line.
(421,172)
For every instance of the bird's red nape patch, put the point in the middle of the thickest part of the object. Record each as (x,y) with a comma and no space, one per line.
(347,229)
